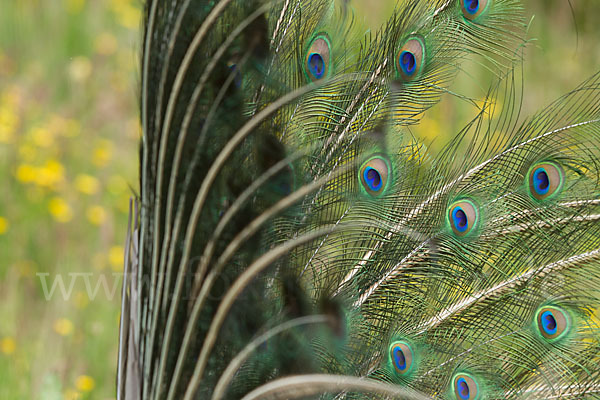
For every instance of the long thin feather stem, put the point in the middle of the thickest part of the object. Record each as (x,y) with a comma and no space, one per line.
(299,386)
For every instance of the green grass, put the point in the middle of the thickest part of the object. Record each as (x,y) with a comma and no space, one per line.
(68,155)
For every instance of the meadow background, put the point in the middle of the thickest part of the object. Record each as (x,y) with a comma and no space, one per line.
(69,134)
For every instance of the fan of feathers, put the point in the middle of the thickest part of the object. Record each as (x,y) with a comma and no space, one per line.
(293,239)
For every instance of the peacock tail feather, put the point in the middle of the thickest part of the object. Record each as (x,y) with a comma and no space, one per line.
(291,240)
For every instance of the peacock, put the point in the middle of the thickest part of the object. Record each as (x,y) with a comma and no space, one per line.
(292,239)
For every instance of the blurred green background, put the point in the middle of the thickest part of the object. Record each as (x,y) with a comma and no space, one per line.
(69,133)
(68,157)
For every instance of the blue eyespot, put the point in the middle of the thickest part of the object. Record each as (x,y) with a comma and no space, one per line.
(465,387)
(374,175)
(399,359)
(545,180)
(471,6)
(549,323)
(408,62)
(541,182)
(552,322)
(373,179)
(318,56)
(462,388)
(316,65)
(401,356)
(472,9)
(459,217)
(410,58)
(462,217)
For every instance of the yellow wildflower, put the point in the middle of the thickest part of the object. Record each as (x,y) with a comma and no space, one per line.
(102,154)
(26,173)
(60,209)
(115,257)
(51,174)
(127,15)
(96,215)
(3,225)
(63,327)
(85,383)
(8,345)
(87,184)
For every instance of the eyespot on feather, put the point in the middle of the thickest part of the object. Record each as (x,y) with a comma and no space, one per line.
(401,357)
(473,9)
(410,58)
(317,62)
(545,180)
(463,217)
(465,387)
(374,175)
(552,322)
